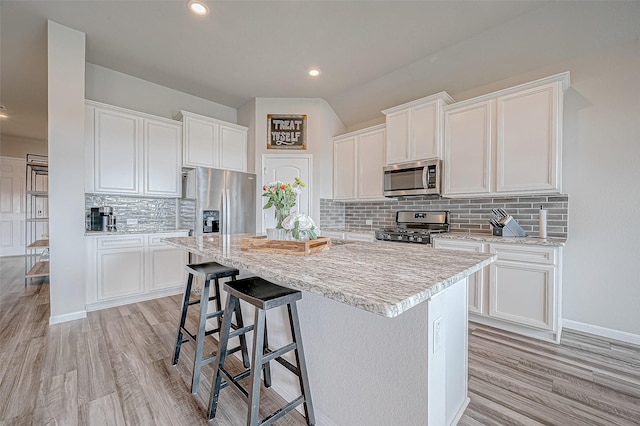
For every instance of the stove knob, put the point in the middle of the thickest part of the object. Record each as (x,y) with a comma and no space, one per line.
(399,238)
(410,238)
(419,239)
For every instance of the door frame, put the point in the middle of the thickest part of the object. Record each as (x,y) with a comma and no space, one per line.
(265,157)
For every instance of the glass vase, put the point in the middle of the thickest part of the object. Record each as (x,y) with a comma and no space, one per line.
(281,214)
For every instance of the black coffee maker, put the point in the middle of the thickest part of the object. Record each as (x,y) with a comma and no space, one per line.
(102,219)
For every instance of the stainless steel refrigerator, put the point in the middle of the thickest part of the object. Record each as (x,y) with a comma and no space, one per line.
(225,201)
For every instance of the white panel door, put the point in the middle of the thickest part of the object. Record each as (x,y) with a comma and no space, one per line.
(200,143)
(527,137)
(285,168)
(117,152)
(476,280)
(233,149)
(162,158)
(120,272)
(12,203)
(425,141)
(371,159)
(523,293)
(398,136)
(345,177)
(467,150)
(166,267)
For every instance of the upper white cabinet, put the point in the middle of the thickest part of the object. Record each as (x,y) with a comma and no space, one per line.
(358,159)
(131,153)
(507,142)
(414,129)
(213,143)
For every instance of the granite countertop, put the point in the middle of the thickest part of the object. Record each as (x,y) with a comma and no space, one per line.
(382,278)
(552,241)
(132,231)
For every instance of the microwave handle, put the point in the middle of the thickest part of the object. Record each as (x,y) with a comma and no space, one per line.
(425,173)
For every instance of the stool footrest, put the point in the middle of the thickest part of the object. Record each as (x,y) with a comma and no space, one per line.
(234,381)
(193,336)
(282,411)
(271,355)
(239,331)
(215,314)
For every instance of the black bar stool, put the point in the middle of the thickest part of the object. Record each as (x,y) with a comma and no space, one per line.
(264,295)
(207,272)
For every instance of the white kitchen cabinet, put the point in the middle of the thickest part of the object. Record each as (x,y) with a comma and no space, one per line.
(358,159)
(414,129)
(131,153)
(475,283)
(350,236)
(467,149)
(520,292)
(213,143)
(165,264)
(507,142)
(124,269)
(523,286)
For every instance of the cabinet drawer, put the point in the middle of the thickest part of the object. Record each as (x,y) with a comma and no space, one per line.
(443,243)
(155,239)
(523,253)
(105,243)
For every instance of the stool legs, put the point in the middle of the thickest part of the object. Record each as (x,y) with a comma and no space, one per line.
(232,304)
(256,362)
(202,325)
(300,361)
(183,319)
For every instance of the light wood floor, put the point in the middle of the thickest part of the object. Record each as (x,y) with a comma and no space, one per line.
(114,368)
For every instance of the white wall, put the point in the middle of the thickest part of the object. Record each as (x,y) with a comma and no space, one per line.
(18,147)
(115,88)
(66,53)
(322,125)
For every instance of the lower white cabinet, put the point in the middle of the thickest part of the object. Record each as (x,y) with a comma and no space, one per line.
(124,269)
(349,236)
(476,299)
(520,292)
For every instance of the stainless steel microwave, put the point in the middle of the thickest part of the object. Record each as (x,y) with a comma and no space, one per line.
(417,178)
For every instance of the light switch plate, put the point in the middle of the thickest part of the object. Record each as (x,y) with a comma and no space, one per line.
(132,221)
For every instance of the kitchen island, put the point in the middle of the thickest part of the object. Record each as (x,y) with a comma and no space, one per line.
(384,326)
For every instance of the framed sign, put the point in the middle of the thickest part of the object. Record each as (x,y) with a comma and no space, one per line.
(286,131)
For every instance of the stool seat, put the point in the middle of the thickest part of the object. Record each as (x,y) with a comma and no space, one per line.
(208,271)
(262,293)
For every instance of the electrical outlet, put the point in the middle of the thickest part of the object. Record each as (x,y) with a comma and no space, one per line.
(369,222)
(132,221)
(438,332)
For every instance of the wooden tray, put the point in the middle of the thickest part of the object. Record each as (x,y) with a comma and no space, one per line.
(298,248)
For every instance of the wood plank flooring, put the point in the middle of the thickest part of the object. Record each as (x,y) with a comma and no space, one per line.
(114,368)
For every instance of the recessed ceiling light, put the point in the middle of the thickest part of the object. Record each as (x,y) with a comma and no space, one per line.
(3,112)
(314,72)
(198,8)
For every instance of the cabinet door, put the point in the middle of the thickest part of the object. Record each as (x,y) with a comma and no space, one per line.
(527,140)
(425,141)
(162,162)
(344,168)
(117,152)
(233,149)
(166,267)
(467,153)
(524,293)
(476,280)
(120,272)
(370,157)
(398,136)
(200,143)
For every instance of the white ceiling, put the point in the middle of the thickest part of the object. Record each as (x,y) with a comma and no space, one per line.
(372,54)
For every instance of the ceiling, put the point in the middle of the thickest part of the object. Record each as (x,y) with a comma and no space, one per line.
(372,54)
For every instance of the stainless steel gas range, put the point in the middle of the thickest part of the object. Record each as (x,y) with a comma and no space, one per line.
(415,227)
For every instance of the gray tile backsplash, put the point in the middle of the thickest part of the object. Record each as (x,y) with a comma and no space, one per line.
(152,213)
(466,214)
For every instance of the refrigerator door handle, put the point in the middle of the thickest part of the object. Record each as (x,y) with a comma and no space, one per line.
(227,213)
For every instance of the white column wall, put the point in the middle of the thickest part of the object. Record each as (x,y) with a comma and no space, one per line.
(66,62)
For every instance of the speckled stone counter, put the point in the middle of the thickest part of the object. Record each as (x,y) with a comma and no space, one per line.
(493,239)
(380,277)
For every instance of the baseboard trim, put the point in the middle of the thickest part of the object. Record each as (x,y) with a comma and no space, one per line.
(126,300)
(67,317)
(602,331)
